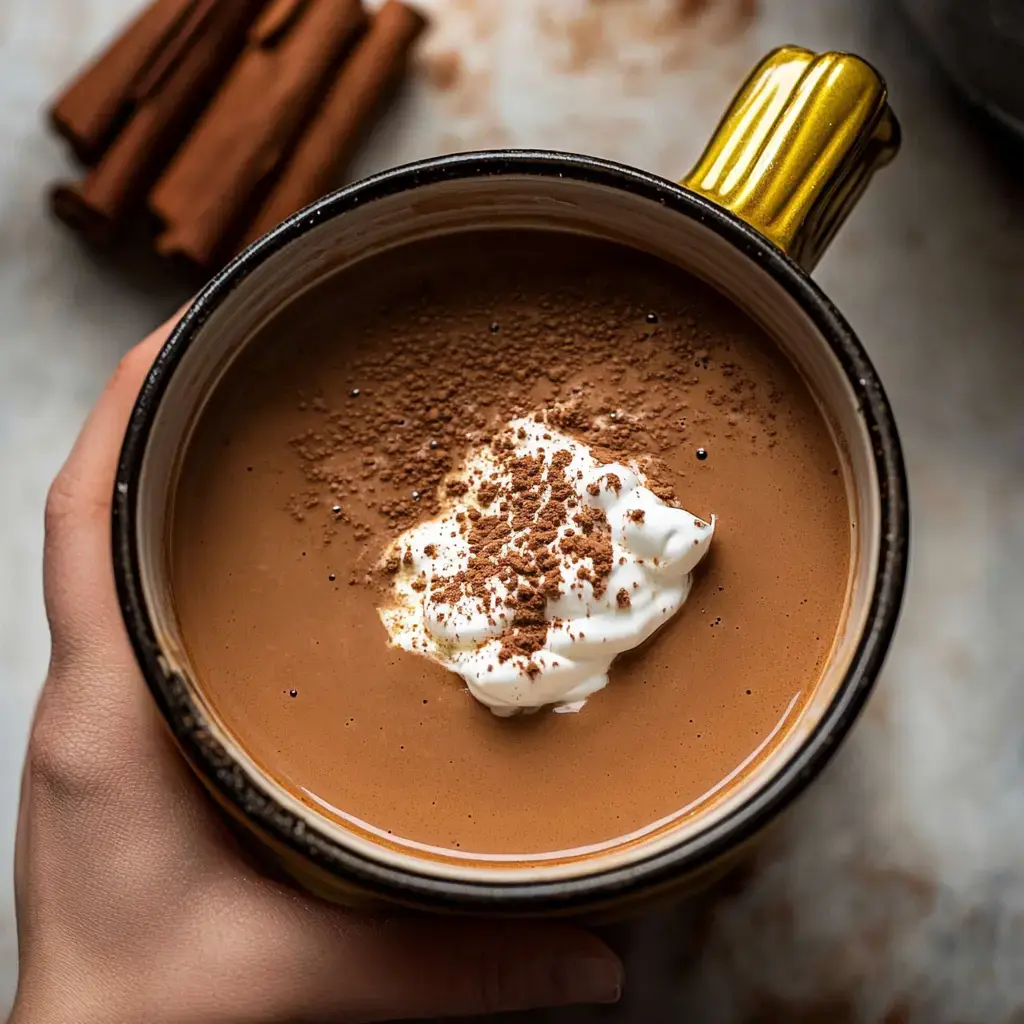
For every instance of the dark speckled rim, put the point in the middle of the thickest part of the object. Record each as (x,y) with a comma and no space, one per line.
(230,783)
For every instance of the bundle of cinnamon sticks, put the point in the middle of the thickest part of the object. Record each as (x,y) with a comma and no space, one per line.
(216,119)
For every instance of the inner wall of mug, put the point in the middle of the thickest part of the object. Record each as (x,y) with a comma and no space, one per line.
(514,201)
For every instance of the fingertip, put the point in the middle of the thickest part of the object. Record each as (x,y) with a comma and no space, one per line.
(77,513)
(88,472)
(586,970)
(591,980)
(526,965)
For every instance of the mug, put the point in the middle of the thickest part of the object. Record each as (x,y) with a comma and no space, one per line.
(787,163)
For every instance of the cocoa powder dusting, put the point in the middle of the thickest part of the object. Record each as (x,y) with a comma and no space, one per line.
(520,548)
(606,34)
(443,70)
(446,382)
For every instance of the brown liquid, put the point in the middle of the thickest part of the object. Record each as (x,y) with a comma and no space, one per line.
(271,583)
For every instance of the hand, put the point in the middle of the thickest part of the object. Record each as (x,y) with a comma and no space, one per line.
(132,902)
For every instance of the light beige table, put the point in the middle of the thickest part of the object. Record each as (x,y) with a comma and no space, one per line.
(898,885)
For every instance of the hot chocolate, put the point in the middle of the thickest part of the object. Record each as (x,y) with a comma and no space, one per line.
(357,416)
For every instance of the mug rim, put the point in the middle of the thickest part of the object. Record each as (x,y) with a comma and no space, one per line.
(230,784)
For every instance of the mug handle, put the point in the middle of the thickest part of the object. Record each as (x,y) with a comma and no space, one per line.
(798,146)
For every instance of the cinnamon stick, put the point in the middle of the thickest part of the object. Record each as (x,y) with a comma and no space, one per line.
(95,104)
(245,135)
(365,81)
(170,95)
(277,19)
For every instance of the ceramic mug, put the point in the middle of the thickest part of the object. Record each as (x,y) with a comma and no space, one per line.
(786,165)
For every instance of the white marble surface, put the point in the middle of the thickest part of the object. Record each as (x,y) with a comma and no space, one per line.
(896,890)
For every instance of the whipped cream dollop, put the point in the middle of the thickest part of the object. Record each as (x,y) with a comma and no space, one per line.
(544,565)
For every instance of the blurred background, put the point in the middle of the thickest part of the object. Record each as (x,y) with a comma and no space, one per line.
(895,890)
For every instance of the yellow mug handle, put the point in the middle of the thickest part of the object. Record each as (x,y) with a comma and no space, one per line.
(799,144)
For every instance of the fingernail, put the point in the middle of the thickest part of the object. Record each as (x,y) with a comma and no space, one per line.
(593,979)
